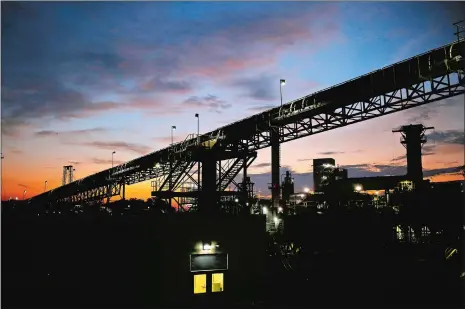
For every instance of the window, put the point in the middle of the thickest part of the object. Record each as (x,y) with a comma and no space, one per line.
(200,284)
(217,282)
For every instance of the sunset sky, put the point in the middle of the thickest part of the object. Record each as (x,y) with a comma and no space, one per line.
(81,80)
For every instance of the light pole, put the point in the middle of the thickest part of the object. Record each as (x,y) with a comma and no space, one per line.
(198,128)
(112,154)
(173,128)
(45,186)
(282,82)
(24,193)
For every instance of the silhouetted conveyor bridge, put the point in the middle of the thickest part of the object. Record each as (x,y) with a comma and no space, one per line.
(435,75)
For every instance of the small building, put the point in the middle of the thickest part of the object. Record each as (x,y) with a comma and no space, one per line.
(208,259)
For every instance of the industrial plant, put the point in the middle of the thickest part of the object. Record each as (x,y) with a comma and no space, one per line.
(348,242)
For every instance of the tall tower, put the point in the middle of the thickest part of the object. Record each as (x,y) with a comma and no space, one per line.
(413,138)
(67,174)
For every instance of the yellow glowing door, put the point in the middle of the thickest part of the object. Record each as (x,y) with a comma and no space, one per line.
(217,282)
(200,284)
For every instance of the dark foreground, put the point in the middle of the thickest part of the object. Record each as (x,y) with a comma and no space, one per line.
(71,263)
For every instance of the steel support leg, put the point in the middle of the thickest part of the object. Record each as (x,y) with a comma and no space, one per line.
(275,165)
(208,195)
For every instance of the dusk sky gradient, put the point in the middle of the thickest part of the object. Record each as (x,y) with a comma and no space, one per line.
(80,80)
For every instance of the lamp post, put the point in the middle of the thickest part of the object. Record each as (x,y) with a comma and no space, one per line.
(112,154)
(173,128)
(24,193)
(45,186)
(282,82)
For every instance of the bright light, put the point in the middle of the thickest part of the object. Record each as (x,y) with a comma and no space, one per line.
(358,188)
(280,209)
(306,190)
(324,177)
(236,200)
(275,219)
(157,165)
(283,82)
(247,204)
(265,210)
(302,195)
(207,246)
(377,192)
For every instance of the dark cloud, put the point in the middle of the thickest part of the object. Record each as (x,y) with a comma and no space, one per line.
(211,102)
(328,153)
(124,146)
(24,186)
(74,162)
(447,137)
(157,84)
(259,88)
(422,114)
(47,133)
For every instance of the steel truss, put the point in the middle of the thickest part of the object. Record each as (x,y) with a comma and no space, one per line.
(435,75)
(324,120)
(185,187)
(94,194)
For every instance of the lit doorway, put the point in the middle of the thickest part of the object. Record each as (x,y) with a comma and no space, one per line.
(200,284)
(218,282)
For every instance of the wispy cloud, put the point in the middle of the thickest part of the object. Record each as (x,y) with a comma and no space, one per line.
(137,148)
(47,133)
(106,161)
(211,102)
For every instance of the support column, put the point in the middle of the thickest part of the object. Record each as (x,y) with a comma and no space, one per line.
(124,189)
(275,165)
(170,181)
(208,196)
(245,187)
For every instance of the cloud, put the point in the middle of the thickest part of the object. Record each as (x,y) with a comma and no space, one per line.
(157,84)
(261,165)
(209,101)
(427,150)
(427,112)
(328,153)
(74,162)
(47,133)
(447,137)
(124,146)
(24,186)
(106,161)
(258,88)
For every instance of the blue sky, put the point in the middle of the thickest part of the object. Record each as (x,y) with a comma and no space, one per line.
(117,75)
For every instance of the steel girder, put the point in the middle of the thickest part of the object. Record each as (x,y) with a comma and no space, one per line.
(325,119)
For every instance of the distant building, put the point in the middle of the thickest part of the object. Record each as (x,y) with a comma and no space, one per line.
(340,174)
(322,171)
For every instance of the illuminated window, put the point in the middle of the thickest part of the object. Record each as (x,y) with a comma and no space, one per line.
(217,282)
(200,284)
